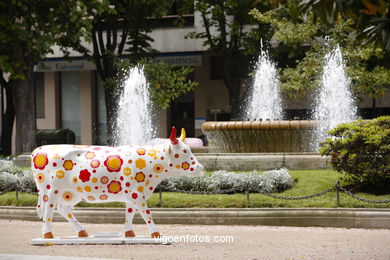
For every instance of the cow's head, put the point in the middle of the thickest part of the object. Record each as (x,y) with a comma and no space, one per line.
(181,159)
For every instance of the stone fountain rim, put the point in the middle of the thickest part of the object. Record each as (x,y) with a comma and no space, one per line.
(260,125)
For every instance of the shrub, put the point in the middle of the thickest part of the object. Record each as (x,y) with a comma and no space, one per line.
(14,178)
(26,182)
(361,150)
(275,180)
(8,182)
(280,179)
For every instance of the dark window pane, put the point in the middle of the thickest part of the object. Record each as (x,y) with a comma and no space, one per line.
(39,95)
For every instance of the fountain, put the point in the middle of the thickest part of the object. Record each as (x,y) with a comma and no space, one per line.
(265,99)
(260,134)
(281,136)
(134,115)
(334,104)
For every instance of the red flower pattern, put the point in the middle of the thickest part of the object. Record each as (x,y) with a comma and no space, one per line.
(84,175)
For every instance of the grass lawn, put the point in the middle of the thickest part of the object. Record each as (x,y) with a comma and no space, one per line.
(308,182)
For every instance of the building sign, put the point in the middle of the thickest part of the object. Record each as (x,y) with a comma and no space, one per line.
(63,65)
(181,59)
(187,59)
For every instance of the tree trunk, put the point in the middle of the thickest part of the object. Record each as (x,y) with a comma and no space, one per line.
(234,89)
(25,112)
(7,121)
(233,83)
(112,99)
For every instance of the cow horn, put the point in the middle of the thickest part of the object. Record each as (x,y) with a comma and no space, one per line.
(172,137)
(183,135)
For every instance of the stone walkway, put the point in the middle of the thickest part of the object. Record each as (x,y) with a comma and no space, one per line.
(249,242)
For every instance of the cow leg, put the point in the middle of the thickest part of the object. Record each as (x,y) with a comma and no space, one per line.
(66,212)
(147,216)
(130,212)
(48,212)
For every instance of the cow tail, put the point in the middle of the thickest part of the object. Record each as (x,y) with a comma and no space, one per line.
(40,209)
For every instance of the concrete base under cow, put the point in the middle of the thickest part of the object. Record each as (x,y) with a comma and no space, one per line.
(100,238)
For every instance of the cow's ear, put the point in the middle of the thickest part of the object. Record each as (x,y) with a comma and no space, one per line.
(183,135)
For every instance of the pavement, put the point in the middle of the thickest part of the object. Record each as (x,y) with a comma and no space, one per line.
(240,242)
(43,257)
(297,217)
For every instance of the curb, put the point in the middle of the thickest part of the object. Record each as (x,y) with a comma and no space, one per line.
(298,217)
(263,161)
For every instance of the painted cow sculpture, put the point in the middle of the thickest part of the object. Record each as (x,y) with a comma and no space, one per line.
(68,174)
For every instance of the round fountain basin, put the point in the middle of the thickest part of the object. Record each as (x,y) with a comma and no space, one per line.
(261,136)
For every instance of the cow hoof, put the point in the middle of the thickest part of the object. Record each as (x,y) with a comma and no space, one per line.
(129,233)
(48,235)
(83,233)
(155,234)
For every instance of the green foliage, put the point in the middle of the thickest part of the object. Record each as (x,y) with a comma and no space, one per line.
(229,33)
(370,18)
(29,29)
(297,81)
(226,25)
(361,150)
(166,82)
(124,30)
(286,31)
(365,65)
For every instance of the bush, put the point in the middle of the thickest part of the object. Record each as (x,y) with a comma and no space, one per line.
(361,150)
(275,180)
(14,178)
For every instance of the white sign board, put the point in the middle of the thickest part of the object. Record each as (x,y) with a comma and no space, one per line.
(182,60)
(63,65)
(82,64)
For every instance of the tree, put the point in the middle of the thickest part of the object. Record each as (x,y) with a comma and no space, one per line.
(122,32)
(366,64)
(371,18)
(166,82)
(8,117)
(229,33)
(28,30)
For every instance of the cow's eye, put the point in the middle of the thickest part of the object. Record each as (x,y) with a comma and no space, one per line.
(184,151)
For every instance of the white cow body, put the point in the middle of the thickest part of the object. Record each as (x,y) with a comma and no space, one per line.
(68,174)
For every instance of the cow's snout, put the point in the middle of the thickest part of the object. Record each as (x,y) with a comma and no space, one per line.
(199,170)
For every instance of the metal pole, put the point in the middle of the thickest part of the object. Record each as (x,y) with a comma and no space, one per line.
(16,190)
(160,197)
(338,193)
(247,199)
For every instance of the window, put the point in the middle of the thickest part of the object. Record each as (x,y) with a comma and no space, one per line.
(39,95)
(172,18)
(243,65)
(70,102)
(101,125)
